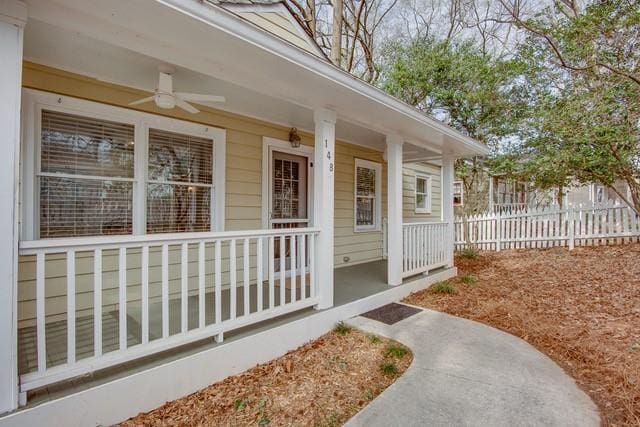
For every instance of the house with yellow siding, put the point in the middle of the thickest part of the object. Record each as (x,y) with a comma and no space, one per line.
(190,188)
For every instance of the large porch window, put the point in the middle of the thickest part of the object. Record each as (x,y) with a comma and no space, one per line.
(97,170)
(86,176)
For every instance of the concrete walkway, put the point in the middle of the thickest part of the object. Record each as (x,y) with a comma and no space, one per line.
(468,374)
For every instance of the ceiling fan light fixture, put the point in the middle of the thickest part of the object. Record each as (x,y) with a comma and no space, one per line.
(165,101)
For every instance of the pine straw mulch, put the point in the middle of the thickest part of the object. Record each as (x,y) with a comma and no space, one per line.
(580,307)
(323,383)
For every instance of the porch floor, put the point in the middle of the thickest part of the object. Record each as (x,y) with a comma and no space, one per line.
(350,284)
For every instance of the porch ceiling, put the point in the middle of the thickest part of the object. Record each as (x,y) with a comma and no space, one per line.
(123,42)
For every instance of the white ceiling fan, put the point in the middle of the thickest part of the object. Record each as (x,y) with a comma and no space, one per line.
(165,97)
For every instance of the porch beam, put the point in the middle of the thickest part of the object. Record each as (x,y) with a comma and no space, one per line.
(448,176)
(13,17)
(323,196)
(394,209)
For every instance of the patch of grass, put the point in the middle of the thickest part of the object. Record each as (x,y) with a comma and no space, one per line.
(393,350)
(240,404)
(342,328)
(263,420)
(443,287)
(470,252)
(468,279)
(368,395)
(374,339)
(389,368)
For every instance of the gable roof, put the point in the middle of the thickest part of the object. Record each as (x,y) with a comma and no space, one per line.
(274,17)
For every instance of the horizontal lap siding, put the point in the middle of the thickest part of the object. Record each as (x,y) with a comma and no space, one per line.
(243,203)
(277,23)
(358,247)
(408,196)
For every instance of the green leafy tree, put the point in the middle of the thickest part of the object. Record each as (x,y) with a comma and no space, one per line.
(466,88)
(583,89)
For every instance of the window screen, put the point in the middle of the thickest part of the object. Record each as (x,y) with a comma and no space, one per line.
(365,197)
(86,176)
(422,194)
(179,190)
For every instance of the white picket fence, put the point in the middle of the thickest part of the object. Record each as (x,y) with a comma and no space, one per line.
(548,227)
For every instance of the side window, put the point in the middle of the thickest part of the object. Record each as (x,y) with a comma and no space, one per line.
(367,195)
(423,193)
(458,193)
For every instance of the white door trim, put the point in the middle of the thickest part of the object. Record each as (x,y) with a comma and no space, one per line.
(268,146)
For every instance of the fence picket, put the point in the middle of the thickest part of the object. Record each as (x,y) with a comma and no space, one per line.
(536,228)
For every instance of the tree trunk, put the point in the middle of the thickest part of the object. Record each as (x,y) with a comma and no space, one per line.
(336,37)
(311,12)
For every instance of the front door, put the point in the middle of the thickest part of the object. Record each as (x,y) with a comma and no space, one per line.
(288,207)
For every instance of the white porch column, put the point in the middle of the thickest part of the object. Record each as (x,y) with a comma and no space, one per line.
(323,196)
(13,16)
(448,177)
(394,210)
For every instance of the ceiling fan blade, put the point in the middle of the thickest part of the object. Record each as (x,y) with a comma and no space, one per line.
(200,97)
(186,106)
(143,100)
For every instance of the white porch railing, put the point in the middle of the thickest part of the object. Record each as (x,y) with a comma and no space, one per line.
(424,247)
(203,270)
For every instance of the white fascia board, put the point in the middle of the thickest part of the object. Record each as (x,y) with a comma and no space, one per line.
(233,25)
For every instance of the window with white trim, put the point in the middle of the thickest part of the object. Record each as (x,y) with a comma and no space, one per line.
(423,193)
(85,177)
(367,195)
(458,193)
(91,169)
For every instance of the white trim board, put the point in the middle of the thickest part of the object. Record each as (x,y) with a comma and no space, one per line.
(122,398)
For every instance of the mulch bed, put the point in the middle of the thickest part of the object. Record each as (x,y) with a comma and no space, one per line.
(580,307)
(324,383)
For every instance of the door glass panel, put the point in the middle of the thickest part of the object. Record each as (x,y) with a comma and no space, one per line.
(288,199)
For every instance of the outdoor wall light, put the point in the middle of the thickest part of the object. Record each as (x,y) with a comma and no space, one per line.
(294,138)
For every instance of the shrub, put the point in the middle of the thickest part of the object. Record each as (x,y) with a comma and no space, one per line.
(470,252)
(342,328)
(374,339)
(389,368)
(468,279)
(443,288)
(240,404)
(393,350)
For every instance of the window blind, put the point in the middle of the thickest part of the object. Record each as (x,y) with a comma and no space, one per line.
(86,174)
(79,145)
(365,196)
(179,190)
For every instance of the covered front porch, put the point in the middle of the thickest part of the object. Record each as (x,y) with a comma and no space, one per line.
(356,288)
(86,302)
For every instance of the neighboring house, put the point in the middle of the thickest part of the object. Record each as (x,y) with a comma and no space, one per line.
(590,194)
(135,233)
(495,194)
